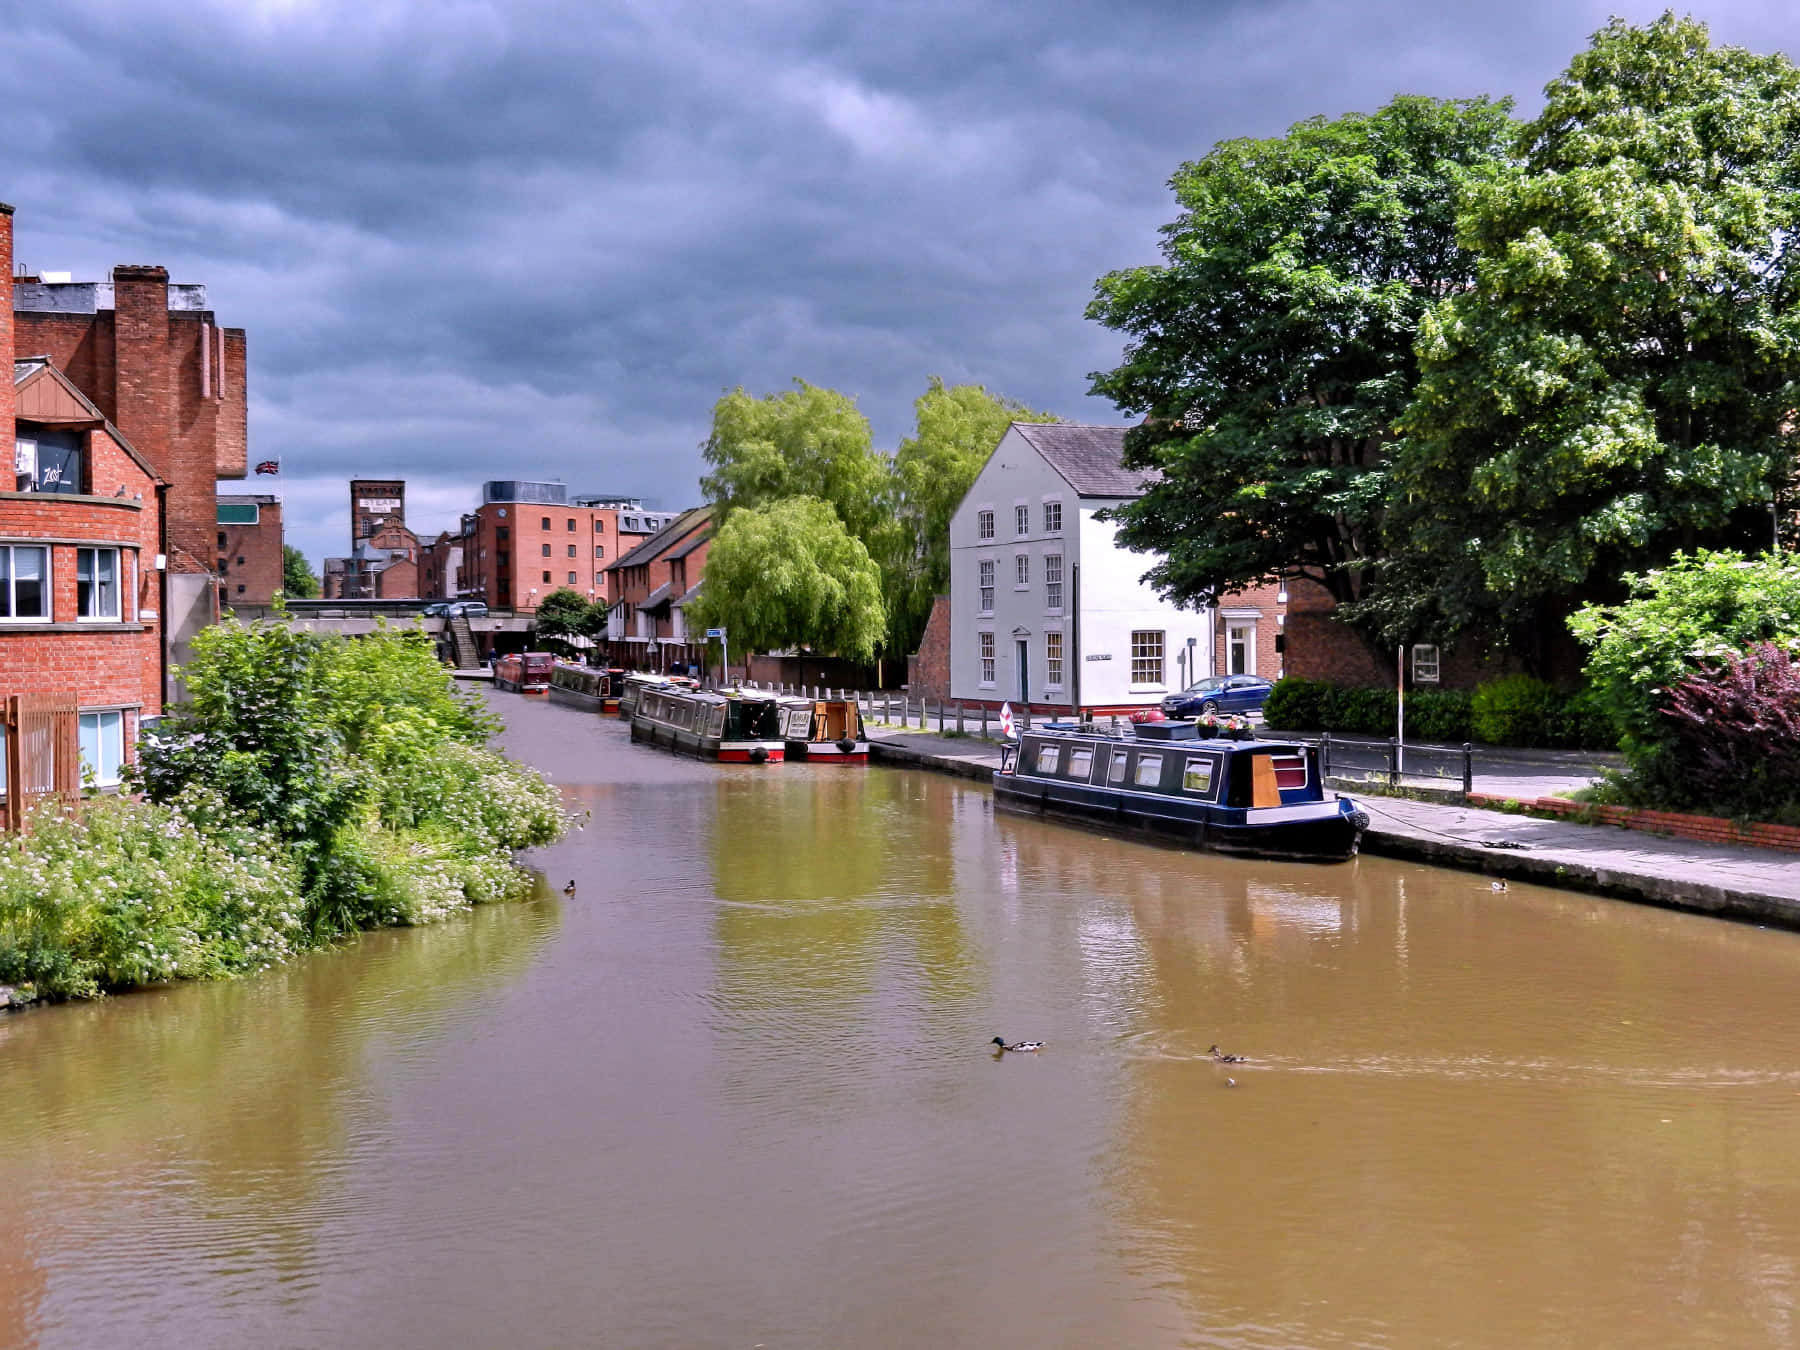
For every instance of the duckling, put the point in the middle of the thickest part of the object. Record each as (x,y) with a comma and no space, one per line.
(570,888)
(1018,1047)
(1498,887)
(1230,1081)
(1224,1058)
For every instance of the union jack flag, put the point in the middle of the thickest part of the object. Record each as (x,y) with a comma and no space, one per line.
(269,466)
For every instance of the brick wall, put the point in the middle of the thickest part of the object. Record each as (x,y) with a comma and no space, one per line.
(928,669)
(249,558)
(399,580)
(6,318)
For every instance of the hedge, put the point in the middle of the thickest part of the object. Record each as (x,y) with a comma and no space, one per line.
(1515,710)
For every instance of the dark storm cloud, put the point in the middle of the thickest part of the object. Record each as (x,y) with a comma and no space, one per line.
(474,239)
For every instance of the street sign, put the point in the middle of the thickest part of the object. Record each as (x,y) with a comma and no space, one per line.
(715,632)
(1006,720)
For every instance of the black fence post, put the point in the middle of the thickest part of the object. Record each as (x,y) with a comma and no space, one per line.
(959,724)
(1468,768)
(1393,761)
(1325,755)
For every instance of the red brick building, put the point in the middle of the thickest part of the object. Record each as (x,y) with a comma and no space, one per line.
(81,553)
(527,539)
(651,586)
(249,558)
(440,562)
(153,359)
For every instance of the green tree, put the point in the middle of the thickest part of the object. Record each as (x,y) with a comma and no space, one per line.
(1620,380)
(804,442)
(564,614)
(956,428)
(1272,348)
(789,574)
(297,579)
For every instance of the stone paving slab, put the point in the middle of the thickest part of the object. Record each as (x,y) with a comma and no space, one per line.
(1733,880)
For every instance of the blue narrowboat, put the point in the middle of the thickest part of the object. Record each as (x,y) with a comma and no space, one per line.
(1228,794)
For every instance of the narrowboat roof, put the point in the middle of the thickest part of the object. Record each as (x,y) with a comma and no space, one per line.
(1184,734)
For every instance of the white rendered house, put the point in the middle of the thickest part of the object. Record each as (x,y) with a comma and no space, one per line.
(1046,609)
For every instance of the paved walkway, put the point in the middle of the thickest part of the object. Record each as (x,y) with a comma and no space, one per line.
(1762,885)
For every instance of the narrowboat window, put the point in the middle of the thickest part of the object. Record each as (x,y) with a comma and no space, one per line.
(799,724)
(718,721)
(1197,776)
(1047,757)
(1116,774)
(1081,763)
(1149,770)
(1290,771)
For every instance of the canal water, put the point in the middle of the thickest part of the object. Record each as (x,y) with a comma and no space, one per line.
(737,1091)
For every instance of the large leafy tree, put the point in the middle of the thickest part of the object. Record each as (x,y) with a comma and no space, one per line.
(789,574)
(565,614)
(956,428)
(1272,349)
(1620,380)
(297,579)
(807,441)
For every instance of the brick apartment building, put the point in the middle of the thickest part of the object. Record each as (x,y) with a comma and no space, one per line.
(651,586)
(81,580)
(440,562)
(154,361)
(527,539)
(250,559)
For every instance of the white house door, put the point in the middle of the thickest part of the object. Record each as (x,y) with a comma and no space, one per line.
(1024,649)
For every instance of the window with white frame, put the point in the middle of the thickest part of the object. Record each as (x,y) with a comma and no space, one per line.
(1052,517)
(1021,570)
(1053,598)
(987,658)
(984,524)
(1240,648)
(985,571)
(1053,660)
(1146,656)
(102,736)
(1425,664)
(1021,521)
(24,581)
(98,584)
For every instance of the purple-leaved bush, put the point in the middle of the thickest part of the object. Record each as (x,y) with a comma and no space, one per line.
(1737,726)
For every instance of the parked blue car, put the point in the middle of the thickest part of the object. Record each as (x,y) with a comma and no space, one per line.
(1219,694)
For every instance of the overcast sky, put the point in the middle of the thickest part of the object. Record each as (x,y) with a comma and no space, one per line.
(474,240)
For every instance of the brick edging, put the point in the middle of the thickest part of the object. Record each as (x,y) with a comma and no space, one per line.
(1708,829)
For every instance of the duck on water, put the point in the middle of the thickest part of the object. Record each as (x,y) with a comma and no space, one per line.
(1017,1047)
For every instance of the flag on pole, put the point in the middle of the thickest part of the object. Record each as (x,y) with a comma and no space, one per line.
(1006,720)
(269,466)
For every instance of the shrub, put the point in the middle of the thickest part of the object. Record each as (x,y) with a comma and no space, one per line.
(1583,723)
(1299,705)
(1363,712)
(1736,730)
(1515,710)
(1438,715)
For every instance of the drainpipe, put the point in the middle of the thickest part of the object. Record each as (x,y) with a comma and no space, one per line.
(1075,640)
(162,589)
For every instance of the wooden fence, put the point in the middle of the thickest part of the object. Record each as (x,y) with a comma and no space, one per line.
(43,752)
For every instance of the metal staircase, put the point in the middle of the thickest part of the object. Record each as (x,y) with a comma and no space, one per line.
(462,638)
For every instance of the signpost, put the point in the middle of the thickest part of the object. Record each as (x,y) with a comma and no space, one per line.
(724,653)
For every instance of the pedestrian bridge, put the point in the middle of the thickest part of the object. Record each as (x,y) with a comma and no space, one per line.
(357,617)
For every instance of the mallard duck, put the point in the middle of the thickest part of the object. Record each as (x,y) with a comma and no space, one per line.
(1224,1058)
(1018,1047)
(1496,886)
(569,889)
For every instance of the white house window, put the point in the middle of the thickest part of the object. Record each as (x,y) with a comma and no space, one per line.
(1021,521)
(1240,648)
(1052,517)
(1425,664)
(1053,660)
(24,582)
(1053,598)
(987,658)
(1146,657)
(102,737)
(984,524)
(1021,569)
(986,569)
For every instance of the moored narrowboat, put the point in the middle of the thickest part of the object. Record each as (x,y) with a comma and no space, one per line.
(525,672)
(826,731)
(743,726)
(1249,796)
(633,684)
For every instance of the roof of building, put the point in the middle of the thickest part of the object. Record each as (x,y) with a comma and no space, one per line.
(668,534)
(260,498)
(1090,458)
(691,545)
(692,594)
(28,368)
(656,597)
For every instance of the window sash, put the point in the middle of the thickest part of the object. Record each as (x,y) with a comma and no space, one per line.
(1022,569)
(1425,664)
(1147,656)
(984,525)
(102,737)
(987,658)
(1021,521)
(1052,517)
(1053,660)
(24,582)
(97,583)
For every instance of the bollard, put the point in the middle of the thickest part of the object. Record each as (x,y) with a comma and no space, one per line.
(1393,761)
(1468,768)
(959,722)
(984,721)
(1325,755)
(887,706)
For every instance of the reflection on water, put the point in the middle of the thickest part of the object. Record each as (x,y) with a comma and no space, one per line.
(738,1090)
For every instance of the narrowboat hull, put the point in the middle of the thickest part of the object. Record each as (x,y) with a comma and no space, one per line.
(1301,835)
(829,752)
(574,698)
(699,746)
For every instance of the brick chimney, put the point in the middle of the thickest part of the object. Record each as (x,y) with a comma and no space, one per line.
(6,342)
(143,406)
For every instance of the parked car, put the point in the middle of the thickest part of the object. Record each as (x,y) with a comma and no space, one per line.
(1219,694)
(431,611)
(468,609)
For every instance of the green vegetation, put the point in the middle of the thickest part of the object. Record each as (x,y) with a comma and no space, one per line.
(314,786)
(1513,710)
(297,579)
(1736,733)
(565,614)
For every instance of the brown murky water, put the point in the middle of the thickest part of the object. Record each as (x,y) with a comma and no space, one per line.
(736,1092)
